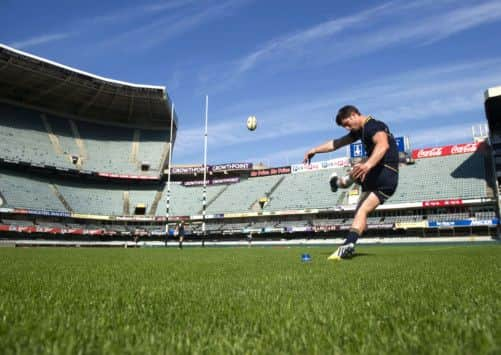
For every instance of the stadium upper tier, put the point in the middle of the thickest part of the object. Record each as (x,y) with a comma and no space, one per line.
(32,81)
(462,176)
(45,139)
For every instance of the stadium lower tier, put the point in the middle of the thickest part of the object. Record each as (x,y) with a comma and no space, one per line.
(479,219)
(448,192)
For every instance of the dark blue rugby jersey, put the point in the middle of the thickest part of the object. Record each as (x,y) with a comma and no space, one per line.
(370,128)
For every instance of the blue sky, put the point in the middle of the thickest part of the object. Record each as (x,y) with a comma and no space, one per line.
(420,66)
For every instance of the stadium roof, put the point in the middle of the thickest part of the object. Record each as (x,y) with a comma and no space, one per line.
(32,81)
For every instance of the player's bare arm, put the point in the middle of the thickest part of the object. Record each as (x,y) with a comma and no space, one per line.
(329,146)
(380,140)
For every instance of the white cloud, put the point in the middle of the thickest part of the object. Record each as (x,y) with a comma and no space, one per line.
(39,40)
(152,23)
(173,24)
(291,43)
(341,38)
(425,94)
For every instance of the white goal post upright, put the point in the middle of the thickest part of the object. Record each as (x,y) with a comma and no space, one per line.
(169,170)
(204,196)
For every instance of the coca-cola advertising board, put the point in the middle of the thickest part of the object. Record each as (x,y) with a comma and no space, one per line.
(444,151)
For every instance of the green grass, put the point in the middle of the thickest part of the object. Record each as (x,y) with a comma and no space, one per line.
(421,299)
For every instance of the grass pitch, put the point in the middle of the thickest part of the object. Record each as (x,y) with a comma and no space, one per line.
(423,299)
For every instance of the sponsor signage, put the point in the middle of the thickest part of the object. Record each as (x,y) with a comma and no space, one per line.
(49,230)
(41,212)
(380,226)
(188,170)
(211,182)
(407,225)
(273,171)
(464,223)
(444,151)
(357,150)
(89,216)
(126,176)
(134,218)
(231,167)
(326,228)
(191,170)
(327,164)
(400,144)
(442,203)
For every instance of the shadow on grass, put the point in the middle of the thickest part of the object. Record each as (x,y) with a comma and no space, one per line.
(356,255)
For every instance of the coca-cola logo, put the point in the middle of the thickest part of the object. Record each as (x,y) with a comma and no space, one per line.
(463,148)
(426,153)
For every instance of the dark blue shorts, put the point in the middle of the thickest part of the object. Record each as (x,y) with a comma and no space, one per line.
(382,180)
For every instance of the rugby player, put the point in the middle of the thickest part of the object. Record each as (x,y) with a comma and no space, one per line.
(378,175)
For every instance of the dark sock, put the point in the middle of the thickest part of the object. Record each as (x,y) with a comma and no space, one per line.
(352,237)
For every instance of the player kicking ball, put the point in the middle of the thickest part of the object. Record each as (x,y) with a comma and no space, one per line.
(378,175)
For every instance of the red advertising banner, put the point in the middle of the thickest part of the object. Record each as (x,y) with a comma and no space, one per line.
(272,171)
(50,230)
(445,150)
(442,203)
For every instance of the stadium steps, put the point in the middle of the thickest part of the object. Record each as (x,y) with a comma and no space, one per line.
(2,200)
(214,199)
(136,136)
(80,144)
(255,205)
(274,187)
(52,137)
(156,201)
(342,198)
(489,172)
(60,197)
(126,205)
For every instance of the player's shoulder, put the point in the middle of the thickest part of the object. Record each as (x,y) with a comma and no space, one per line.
(373,124)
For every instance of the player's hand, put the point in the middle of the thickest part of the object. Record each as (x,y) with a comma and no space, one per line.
(360,171)
(308,156)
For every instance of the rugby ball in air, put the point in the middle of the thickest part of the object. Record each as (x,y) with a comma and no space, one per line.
(251,123)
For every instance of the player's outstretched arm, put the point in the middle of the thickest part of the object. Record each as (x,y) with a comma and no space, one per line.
(322,148)
(328,146)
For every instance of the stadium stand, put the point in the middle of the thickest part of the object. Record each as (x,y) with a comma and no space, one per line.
(310,190)
(88,198)
(186,201)
(66,118)
(243,196)
(455,176)
(23,137)
(24,191)
(449,177)
(83,124)
(28,135)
